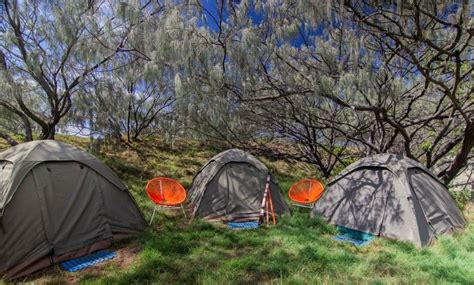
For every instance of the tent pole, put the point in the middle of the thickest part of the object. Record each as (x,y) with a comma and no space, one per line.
(264,200)
(267,211)
(271,206)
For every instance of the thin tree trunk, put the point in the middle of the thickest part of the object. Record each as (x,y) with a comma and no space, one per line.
(129,114)
(48,133)
(8,138)
(460,160)
(28,133)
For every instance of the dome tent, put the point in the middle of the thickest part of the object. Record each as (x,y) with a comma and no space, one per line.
(390,196)
(230,188)
(56,203)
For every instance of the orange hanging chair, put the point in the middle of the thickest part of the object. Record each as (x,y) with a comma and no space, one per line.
(306,192)
(165,192)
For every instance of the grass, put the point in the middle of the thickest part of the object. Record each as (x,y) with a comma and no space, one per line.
(298,250)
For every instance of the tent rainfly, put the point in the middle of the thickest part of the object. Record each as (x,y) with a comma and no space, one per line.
(230,188)
(57,203)
(390,196)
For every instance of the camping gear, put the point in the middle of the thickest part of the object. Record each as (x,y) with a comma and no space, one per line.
(230,188)
(165,192)
(390,196)
(76,264)
(357,238)
(267,203)
(272,210)
(243,225)
(356,242)
(58,202)
(306,192)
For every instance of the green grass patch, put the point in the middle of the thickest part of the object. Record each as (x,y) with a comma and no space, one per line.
(298,250)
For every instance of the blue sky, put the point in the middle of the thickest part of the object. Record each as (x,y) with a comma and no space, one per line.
(211,8)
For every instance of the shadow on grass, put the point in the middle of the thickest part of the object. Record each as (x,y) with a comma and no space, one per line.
(201,251)
(297,250)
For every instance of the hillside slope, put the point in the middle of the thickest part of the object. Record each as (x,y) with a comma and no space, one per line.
(296,251)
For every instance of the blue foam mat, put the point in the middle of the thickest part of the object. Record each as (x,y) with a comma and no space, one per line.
(355,237)
(356,242)
(243,225)
(86,261)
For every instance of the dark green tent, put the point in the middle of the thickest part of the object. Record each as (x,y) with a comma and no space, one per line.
(56,203)
(230,188)
(390,196)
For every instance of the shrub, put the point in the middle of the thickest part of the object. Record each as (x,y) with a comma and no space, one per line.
(461,197)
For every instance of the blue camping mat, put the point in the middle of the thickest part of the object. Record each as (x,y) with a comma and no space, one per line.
(357,238)
(356,242)
(243,225)
(86,261)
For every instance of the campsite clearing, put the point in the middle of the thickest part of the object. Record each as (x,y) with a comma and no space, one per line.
(298,250)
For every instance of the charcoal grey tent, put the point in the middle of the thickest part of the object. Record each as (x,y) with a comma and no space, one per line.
(230,188)
(390,196)
(57,203)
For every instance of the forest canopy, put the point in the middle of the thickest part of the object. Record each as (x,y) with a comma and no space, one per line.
(322,82)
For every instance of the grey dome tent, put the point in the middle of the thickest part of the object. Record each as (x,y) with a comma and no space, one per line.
(230,188)
(390,196)
(56,203)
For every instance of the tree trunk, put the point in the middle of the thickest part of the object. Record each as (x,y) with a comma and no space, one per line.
(136,136)
(8,138)
(129,114)
(49,132)
(460,160)
(27,127)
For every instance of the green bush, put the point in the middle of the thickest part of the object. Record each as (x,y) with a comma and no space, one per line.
(461,197)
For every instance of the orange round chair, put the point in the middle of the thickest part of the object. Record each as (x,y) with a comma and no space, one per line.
(306,192)
(165,192)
